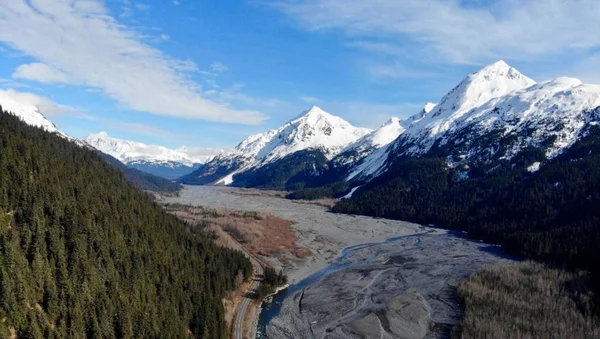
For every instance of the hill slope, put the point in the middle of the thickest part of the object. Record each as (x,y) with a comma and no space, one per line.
(32,116)
(85,254)
(140,179)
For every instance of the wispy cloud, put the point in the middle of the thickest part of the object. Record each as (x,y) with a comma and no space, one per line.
(310,100)
(140,128)
(218,67)
(78,42)
(453,31)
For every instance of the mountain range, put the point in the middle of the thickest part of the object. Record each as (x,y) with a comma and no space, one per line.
(305,147)
(492,115)
(158,160)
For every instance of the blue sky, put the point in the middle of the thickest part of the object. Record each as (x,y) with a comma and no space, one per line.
(209,73)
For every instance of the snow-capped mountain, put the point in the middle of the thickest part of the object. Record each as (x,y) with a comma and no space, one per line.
(29,113)
(495,114)
(314,130)
(158,160)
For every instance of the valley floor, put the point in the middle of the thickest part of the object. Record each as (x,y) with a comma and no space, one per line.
(319,233)
(385,288)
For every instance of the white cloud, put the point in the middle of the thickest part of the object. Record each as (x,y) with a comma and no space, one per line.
(453,31)
(218,67)
(46,105)
(310,100)
(40,72)
(79,39)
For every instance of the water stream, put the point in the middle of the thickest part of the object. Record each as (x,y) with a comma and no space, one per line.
(271,310)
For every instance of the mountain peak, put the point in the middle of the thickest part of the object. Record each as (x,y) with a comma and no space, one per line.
(19,105)
(498,65)
(313,114)
(99,135)
(492,81)
(498,74)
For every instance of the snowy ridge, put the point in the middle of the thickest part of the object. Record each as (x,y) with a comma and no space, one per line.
(31,115)
(28,113)
(136,152)
(367,145)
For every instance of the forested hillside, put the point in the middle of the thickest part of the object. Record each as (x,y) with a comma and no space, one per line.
(142,180)
(85,254)
(552,214)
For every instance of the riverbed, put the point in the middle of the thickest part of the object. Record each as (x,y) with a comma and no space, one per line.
(367,277)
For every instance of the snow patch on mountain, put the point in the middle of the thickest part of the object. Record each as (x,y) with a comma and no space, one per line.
(380,137)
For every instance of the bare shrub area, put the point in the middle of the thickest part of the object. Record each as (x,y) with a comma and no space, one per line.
(527,300)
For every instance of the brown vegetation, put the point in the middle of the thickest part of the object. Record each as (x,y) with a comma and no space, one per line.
(527,300)
(259,233)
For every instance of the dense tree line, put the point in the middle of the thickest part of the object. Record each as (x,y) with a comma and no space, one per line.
(552,214)
(83,253)
(527,300)
(334,190)
(292,172)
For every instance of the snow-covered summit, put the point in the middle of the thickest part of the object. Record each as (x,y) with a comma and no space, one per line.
(313,129)
(492,81)
(130,151)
